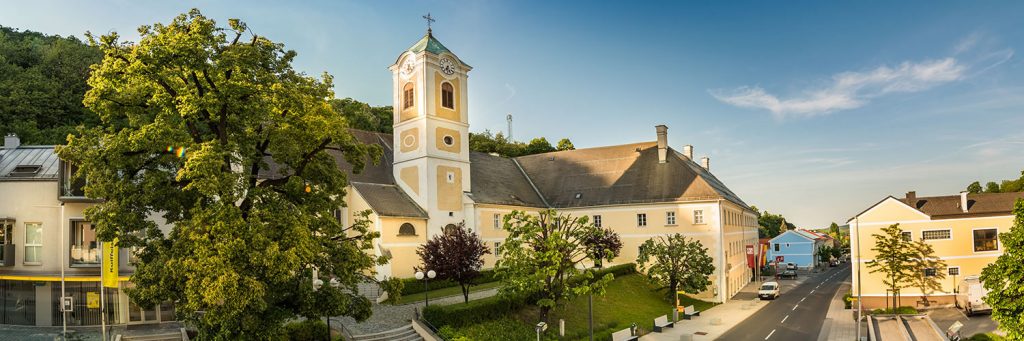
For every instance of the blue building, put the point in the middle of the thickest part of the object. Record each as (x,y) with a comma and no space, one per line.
(797,246)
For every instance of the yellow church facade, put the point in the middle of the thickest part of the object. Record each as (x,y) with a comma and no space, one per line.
(429,180)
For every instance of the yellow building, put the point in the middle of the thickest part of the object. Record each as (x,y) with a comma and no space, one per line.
(429,180)
(962,229)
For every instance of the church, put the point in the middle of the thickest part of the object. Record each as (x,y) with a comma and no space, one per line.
(429,180)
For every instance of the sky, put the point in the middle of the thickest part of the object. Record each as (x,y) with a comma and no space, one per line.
(815,110)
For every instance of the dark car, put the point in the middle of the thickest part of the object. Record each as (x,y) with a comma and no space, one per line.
(788,274)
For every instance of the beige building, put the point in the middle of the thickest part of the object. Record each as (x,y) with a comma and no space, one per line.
(962,229)
(428,180)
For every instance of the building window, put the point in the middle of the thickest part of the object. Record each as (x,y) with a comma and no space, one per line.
(6,241)
(936,234)
(670,218)
(448,140)
(406,230)
(497,221)
(776,247)
(85,249)
(698,216)
(447,96)
(33,243)
(641,219)
(450,228)
(497,249)
(929,272)
(597,220)
(986,240)
(953,271)
(407,97)
(907,236)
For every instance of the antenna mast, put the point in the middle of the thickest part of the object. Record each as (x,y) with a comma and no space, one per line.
(509,119)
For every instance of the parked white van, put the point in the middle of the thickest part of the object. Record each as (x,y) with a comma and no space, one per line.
(969,296)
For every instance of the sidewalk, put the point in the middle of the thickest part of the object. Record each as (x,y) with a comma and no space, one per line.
(719,319)
(840,323)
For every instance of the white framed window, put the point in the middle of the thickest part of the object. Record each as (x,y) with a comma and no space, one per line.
(953,271)
(33,243)
(497,221)
(670,218)
(698,216)
(597,220)
(641,219)
(943,234)
(986,239)
(907,235)
(497,249)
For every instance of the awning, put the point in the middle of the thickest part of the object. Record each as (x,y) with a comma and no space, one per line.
(51,278)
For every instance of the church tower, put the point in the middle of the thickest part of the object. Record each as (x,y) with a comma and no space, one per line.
(431,130)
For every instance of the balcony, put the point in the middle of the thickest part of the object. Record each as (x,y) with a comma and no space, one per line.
(85,257)
(7,254)
(70,188)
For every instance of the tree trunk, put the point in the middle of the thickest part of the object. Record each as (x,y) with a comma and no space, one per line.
(465,293)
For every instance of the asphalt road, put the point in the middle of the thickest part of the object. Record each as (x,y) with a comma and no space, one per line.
(798,314)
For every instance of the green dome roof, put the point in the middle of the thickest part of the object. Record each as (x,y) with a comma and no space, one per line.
(429,44)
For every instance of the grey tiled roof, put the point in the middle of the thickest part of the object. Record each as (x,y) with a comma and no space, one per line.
(978,204)
(42,156)
(497,180)
(389,200)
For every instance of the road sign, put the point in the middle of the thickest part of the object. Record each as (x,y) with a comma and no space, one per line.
(67,304)
(780,259)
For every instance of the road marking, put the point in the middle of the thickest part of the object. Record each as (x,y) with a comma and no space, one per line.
(797,305)
(812,290)
(784,319)
(770,334)
(802,299)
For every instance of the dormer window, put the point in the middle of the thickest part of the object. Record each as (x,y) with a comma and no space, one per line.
(25,171)
(407,96)
(447,95)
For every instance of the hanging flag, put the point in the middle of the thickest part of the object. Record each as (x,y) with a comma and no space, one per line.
(109,270)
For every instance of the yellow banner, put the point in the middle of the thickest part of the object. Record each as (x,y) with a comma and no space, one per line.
(92,300)
(110,264)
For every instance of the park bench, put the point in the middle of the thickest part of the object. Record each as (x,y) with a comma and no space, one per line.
(624,335)
(662,322)
(689,312)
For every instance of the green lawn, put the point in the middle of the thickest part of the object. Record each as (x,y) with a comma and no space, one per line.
(629,299)
(443,292)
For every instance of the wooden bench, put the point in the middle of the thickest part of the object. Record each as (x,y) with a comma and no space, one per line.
(689,312)
(624,335)
(662,322)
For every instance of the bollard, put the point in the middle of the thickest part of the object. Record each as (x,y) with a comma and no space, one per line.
(561,327)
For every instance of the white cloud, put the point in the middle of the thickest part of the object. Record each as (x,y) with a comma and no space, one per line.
(848,90)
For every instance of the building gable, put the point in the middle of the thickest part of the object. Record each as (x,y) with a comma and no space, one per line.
(891,209)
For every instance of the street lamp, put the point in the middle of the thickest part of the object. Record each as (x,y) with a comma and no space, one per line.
(541,327)
(429,275)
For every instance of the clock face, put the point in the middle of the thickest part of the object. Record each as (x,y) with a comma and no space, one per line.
(447,66)
(408,67)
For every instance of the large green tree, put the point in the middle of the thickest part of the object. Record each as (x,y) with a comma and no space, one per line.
(677,263)
(1003,279)
(927,268)
(544,254)
(771,225)
(42,83)
(193,116)
(488,142)
(456,255)
(364,116)
(894,255)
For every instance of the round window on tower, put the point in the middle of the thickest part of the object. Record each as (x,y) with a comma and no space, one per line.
(449,140)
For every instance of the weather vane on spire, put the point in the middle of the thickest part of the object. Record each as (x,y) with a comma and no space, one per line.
(430,20)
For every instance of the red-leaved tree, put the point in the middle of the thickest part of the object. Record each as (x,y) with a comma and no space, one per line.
(456,255)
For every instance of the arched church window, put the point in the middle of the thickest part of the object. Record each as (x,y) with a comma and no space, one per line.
(406,230)
(407,96)
(447,95)
(450,228)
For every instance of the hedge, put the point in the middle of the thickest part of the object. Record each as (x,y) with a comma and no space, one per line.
(306,330)
(415,286)
(903,310)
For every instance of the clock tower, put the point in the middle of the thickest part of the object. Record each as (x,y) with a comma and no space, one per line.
(431,130)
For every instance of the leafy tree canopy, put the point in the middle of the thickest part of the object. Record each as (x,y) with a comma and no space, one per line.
(456,255)
(678,263)
(1003,279)
(191,117)
(42,83)
(363,116)
(771,225)
(1005,186)
(488,142)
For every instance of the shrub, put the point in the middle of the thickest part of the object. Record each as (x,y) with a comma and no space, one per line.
(505,328)
(985,337)
(306,330)
(415,286)
(459,315)
(904,310)
(848,300)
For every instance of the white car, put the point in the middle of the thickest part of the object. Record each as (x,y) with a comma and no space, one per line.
(769,290)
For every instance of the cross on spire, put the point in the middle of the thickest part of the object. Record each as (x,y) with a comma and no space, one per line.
(429,20)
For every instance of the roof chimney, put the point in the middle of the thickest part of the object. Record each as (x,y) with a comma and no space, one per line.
(662,142)
(706,163)
(11,141)
(963,201)
(688,151)
(912,198)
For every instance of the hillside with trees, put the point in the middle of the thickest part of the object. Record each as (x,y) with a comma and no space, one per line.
(1016,185)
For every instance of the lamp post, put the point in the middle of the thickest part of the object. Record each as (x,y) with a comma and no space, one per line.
(317,284)
(590,304)
(429,275)
(541,327)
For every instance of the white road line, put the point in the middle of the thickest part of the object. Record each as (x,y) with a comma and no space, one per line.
(784,319)
(812,290)
(797,305)
(770,334)
(802,299)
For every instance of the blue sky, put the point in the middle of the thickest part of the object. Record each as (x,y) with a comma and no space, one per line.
(814,110)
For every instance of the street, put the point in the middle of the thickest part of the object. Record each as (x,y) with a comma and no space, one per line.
(797,314)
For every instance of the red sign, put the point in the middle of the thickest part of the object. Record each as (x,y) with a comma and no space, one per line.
(750,257)
(780,259)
